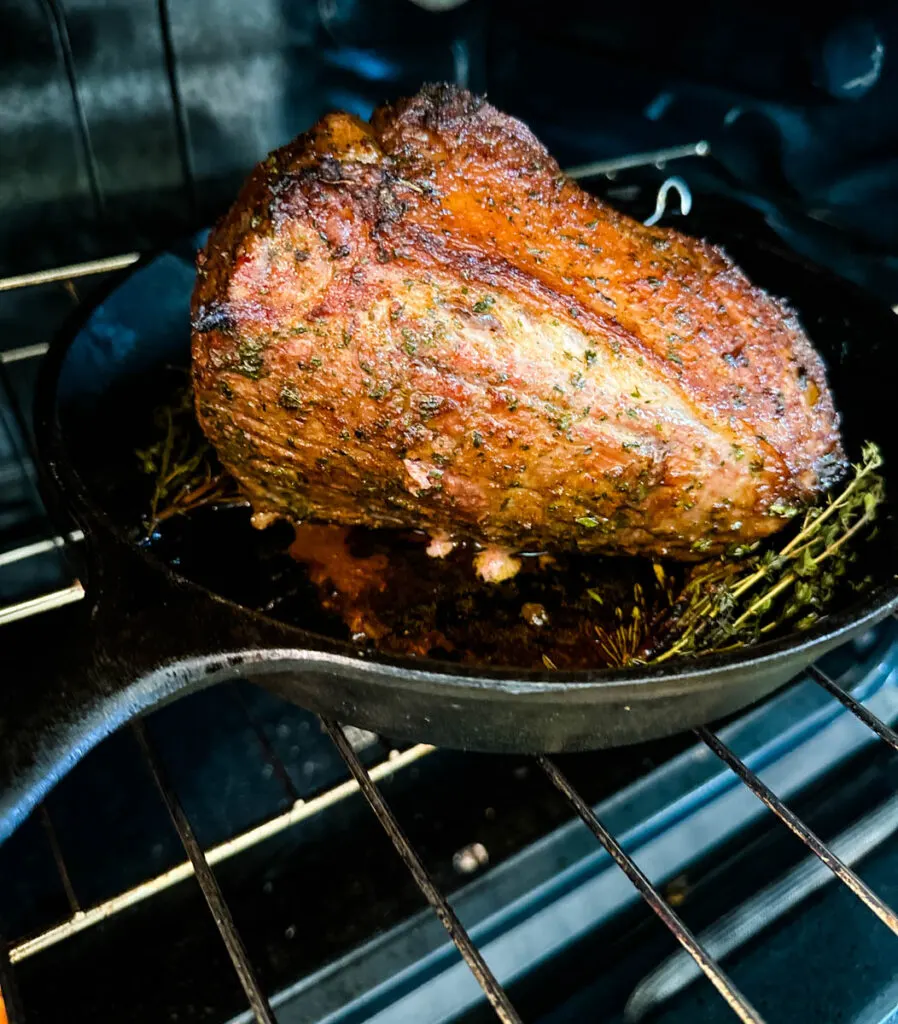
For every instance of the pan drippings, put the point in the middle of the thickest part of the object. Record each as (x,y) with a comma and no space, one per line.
(382,590)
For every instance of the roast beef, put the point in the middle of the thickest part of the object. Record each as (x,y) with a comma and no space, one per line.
(420,322)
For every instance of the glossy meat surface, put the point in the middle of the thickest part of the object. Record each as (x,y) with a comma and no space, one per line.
(420,322)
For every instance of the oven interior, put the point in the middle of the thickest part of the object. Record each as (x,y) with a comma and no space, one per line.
(128,126)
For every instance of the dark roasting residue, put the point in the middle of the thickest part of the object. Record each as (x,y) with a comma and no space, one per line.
(382,590)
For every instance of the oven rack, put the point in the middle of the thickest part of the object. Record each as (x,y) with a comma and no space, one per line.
(365,781)
(201,862)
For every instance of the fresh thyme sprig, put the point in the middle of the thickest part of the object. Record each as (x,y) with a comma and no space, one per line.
(186,473)
(726,604)
(620,643)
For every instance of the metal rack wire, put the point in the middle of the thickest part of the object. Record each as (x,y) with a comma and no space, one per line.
(493,991)
(201,863)
(83,918)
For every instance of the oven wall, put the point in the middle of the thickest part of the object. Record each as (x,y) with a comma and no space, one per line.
(124,123)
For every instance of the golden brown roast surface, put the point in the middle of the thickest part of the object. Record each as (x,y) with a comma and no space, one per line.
(420,322)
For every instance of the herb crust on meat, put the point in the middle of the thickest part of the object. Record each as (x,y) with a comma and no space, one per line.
(420,322)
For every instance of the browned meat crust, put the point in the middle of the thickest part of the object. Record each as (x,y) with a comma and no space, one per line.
(421,322)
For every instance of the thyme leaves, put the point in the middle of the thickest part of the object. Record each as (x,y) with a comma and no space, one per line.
(186,474)
(724,603)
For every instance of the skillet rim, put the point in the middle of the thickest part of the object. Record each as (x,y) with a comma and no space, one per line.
(70,489)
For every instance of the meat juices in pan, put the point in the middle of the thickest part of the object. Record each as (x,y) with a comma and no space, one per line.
(381,590)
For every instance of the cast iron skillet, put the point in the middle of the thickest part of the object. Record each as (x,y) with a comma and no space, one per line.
(146,634)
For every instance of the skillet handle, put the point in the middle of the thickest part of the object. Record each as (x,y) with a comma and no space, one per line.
(72,676)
